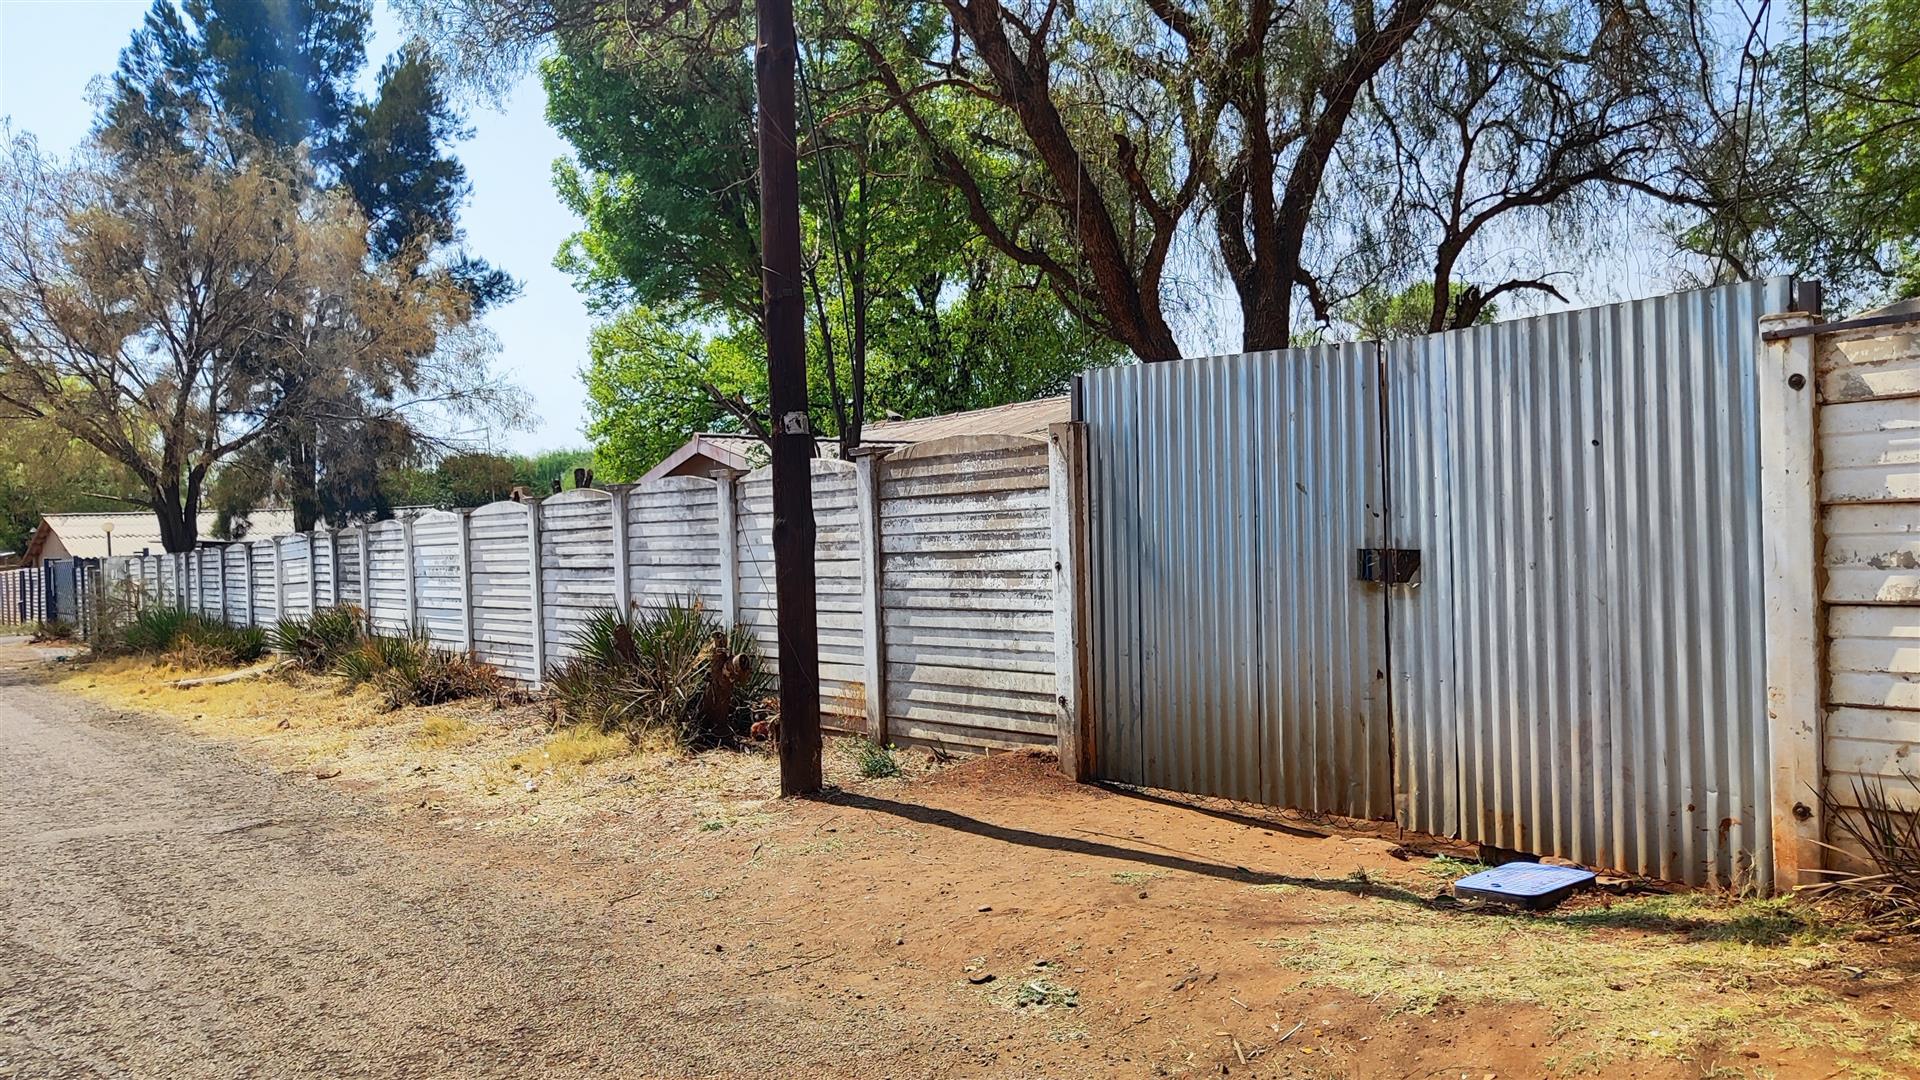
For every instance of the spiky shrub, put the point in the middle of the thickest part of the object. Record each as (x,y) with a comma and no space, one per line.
(185,639)
(411,671)
(671,671)
(1885,823)
(317,642)
(154,630)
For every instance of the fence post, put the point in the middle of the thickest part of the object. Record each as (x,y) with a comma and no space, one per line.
(1067,484)
(279,579)
(535,604)
(224,617)
(246,579)
(406,561)
(366,570)
(333,566)
(622,573)
(723,488)
(866,487)
(313,579)
(1790,506)
(466,586)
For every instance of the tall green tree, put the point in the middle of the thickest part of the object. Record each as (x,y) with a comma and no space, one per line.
(909,310)
(219,80)
(1830,137)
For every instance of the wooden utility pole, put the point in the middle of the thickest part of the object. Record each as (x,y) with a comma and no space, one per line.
(780,290)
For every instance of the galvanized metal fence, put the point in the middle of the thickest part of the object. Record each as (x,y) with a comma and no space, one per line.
(936,566)
(1576,667)
(58,590)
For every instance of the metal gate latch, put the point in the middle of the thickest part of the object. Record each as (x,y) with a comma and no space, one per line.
(1389,566)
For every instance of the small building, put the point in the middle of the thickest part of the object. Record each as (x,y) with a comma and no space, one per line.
(709,452)
(96,536)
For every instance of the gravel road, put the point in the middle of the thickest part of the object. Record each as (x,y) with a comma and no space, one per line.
(169,909)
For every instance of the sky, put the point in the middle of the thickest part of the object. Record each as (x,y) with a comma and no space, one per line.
(51,50)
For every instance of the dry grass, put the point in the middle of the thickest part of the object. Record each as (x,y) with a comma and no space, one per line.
(442,732)
(488,767)
(1671,975)
(571,749)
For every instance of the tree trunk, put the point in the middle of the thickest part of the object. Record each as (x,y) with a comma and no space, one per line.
(179,523)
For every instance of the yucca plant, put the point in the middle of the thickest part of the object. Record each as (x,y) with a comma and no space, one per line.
(411,671)
(670,670)
(316,643)
(1885,823)
(154,630)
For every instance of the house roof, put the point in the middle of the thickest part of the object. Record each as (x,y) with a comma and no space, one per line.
(706,451)
(85,535)
(1020,418)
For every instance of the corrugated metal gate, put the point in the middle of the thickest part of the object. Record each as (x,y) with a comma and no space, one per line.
(1576,670)
(1234,654)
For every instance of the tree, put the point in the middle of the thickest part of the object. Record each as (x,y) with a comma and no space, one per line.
(173,315)
(1122,152)
(44,470)
(1825,161)
(908,310)
(223,80)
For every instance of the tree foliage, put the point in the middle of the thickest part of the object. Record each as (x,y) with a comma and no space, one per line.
(909,310)
(1124,155)
(1828,144)
(45,470)
(174,316)
(226,82)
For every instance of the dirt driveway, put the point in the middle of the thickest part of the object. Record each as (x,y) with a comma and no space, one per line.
(177,905)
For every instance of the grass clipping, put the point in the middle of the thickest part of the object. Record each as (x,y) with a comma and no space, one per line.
(1672,975)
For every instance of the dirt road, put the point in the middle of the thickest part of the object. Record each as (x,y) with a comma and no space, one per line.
(182,895)
(170,910)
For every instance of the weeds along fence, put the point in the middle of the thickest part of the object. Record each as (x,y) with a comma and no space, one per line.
(941,616)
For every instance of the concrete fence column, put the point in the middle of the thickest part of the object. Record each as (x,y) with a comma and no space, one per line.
(725,494)
(873,639)
(1790,568)
(1067,484)
(535,607)
(622,572)
(279,578)
(465,563)
(406,564)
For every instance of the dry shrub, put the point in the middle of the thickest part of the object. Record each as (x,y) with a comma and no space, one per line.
(670,671)
(410,671)
(1882,825)
(317,642)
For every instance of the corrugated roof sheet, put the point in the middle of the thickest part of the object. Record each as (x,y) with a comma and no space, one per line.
(1019,418)
(85,535)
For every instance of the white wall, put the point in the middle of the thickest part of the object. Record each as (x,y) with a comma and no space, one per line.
(934,566)
(1869,436)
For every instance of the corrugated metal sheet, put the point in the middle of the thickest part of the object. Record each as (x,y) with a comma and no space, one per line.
(1234,651)
(1588,633)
